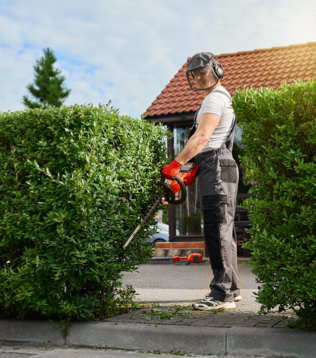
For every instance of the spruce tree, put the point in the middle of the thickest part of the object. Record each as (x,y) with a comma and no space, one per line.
(47,89)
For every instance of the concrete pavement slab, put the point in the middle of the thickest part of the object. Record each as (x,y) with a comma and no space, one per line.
(173,283)
(88,353)
(48,352)
(14,355)
(23,350)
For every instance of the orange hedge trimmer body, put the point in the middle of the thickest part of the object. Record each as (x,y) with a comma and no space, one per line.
(168,195)
(191,258)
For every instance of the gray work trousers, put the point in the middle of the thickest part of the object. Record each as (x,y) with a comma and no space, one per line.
(218,176)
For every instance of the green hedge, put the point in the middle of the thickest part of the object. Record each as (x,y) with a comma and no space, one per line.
(279,131)
(74,182)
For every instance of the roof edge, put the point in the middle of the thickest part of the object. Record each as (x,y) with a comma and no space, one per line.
(266,49)
(181,116)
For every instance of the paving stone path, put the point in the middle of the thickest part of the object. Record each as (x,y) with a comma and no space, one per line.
(185,315)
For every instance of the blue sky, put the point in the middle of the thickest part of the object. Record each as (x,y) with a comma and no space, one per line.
(127,51)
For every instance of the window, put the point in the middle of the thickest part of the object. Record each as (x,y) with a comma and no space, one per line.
(188,216)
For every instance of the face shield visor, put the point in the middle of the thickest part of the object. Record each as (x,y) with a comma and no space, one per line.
(201,79)
(203,71)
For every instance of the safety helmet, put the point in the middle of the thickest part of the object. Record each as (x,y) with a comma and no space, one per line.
(198,66)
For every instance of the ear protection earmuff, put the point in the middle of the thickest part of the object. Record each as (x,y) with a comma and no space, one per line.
(217,69)
(202,61)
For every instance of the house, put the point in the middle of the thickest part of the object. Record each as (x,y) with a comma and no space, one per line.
(176,104)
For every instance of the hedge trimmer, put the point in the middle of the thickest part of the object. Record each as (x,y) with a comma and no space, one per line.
(195,257)
(168,195)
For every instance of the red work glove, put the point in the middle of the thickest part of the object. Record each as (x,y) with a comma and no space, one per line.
(187,178)
(170,170)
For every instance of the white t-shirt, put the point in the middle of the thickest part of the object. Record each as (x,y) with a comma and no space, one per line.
(218,102)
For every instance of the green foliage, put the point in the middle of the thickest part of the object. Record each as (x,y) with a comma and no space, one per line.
(62,327)
(279,131)
(165,214)
(238,153)
(74,183)
(48,89)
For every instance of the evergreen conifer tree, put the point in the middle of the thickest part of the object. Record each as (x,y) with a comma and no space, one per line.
(47,89)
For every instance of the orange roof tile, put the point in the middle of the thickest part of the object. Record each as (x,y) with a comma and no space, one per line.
(262,67)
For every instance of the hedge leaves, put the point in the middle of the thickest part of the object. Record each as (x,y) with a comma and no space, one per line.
(74,182)
(279,131)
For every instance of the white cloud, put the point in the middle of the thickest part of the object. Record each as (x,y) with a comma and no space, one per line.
(127,51)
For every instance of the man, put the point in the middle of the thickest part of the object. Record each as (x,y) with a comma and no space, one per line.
(210,146)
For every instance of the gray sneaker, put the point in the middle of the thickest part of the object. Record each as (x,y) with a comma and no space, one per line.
(237,298)
(208,303)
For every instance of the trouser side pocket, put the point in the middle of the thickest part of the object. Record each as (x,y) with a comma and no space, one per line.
(228,170)
(214,215)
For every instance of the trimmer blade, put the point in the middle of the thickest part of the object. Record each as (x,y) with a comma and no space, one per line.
(152,208)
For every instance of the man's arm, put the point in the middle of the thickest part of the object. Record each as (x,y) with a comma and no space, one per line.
(197,142)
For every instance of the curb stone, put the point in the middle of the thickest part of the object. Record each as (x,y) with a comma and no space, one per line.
(38,332)
(149,337)
(245,341)
(271,342)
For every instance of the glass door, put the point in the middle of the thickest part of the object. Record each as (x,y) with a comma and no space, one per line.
(188,216)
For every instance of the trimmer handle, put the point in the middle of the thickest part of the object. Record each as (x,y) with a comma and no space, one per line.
(170,196)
